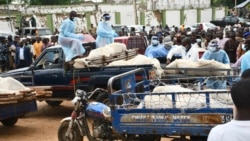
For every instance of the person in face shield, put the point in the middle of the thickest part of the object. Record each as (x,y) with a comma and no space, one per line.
(105,32)
(214,52)
(245,59)
(161,52)
(217,54)
(71,42)
(154,45)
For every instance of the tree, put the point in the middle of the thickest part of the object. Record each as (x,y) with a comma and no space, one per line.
(229,3)
(50,2)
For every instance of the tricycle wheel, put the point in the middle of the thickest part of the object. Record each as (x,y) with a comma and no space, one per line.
(74,135)
(150,138)
(9,121)
(198,138)
(53,103)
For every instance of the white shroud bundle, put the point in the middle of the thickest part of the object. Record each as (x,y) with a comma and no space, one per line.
(205,64)
(99,54)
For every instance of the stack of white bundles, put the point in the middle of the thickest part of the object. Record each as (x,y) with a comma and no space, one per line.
(165,100)
(10,85)
(99,53)
(220,98)
(207,64)
(140,60)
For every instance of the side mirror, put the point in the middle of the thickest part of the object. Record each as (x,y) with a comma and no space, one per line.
(32,67)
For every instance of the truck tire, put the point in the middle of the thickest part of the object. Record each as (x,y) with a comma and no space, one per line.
(75,133)
(53,103)
(103,97)
(9,121)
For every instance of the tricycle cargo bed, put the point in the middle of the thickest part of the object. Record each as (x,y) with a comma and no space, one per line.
(187,113)
(17,109)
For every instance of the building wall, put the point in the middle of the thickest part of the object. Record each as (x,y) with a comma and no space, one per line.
(185,15)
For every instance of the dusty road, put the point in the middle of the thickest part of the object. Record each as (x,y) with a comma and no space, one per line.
(41,125)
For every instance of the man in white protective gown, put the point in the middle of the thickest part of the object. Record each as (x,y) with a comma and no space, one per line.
(105,32)
(71,42)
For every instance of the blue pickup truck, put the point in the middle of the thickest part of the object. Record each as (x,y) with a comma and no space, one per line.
(49,69)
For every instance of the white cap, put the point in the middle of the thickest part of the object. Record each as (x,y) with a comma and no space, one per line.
(167,41)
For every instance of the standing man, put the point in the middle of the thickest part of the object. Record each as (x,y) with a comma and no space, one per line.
(219,55)
(105,32)
(23,55)
(38,45)
(245,59)
(70,41)
(238,128)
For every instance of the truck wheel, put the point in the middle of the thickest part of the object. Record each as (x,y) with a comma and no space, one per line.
(103,97)
(75,134)
(198,138)
(9,121)
(53,103)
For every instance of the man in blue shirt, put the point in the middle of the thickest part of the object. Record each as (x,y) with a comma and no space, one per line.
(217,54)
(162,51)
(245,61)
(71,42)
(153,46)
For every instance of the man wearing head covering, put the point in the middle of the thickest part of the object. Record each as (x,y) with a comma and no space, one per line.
(245,61)
(71,42)
(105,32)
(154,45)
(162,51)
(217,54)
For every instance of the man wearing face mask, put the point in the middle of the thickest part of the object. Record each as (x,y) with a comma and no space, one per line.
(161,52)
(154,45)
(70,41)
(245,59)
(186,51)
(217,54)
(105,32)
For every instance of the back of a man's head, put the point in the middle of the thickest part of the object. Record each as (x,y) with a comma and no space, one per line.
(240,94)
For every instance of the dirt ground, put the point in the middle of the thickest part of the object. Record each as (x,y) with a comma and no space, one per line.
(41,125)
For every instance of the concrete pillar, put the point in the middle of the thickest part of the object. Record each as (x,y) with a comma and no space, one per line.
(49,22)
(117,18)
(142,18)
(164,18)
(198,15)
(213,13)
(182,16)
(88,20)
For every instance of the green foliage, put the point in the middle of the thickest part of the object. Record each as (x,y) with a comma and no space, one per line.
(229,3)
(50,2)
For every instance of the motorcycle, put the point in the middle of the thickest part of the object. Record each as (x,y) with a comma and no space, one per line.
(85,115)
(93,120)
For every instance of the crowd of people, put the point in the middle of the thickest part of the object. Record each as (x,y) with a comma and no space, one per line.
(17,52)
(228,45)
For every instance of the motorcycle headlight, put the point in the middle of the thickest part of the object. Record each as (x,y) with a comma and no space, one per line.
(75,100)
(107,112)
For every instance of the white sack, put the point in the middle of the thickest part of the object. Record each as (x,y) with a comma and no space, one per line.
(11,85)
(209,64)
(140,60)
(105,51)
